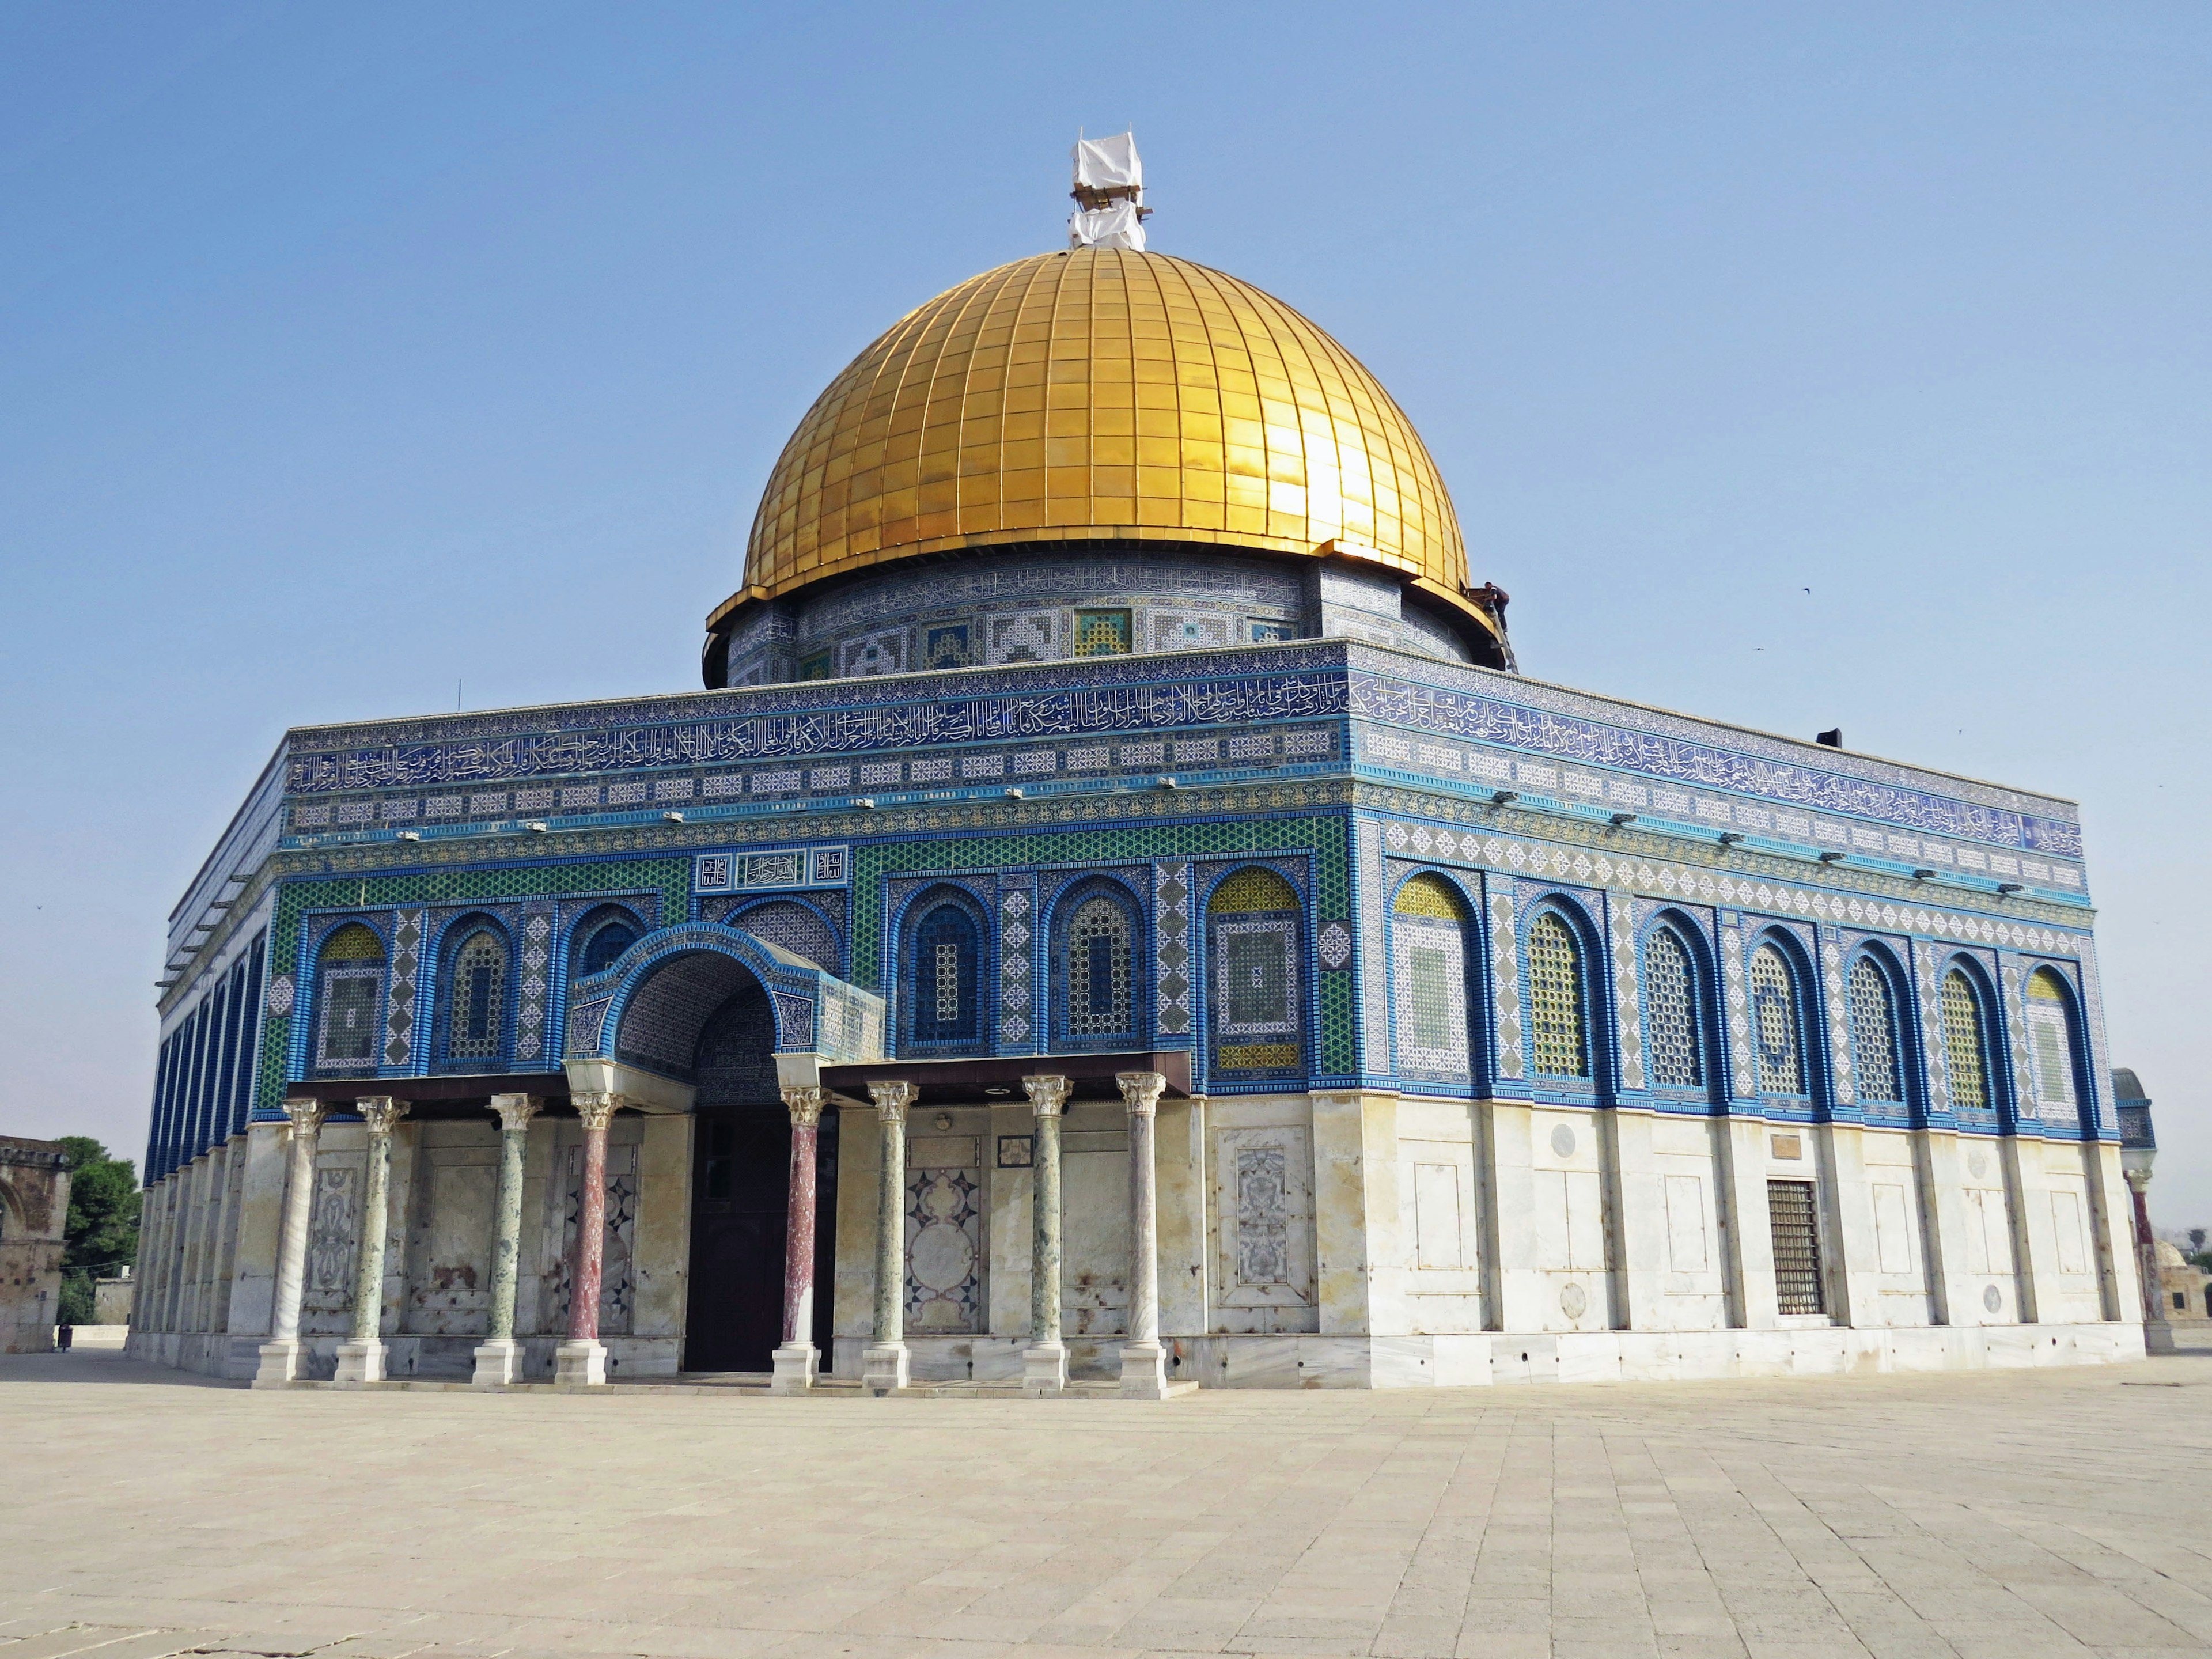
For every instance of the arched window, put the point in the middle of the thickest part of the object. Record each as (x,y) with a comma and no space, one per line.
(1558,1018)
(1099,958)
(352,970)
(1966,1054)
(1259,1026)
(2050,1044)
(605,943)
(1874,1058)
(1777,1033)
(477,1013)
(1673,1025)
(1428,925)
(945,948)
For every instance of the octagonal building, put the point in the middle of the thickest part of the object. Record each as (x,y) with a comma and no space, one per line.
(1117,919)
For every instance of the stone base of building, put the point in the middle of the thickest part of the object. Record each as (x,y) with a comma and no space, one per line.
(1495,1357)
(445,1359)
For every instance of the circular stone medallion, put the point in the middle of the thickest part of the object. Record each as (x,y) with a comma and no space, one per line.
(1563,1143)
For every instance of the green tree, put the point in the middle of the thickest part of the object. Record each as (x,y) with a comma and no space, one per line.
(102,1233)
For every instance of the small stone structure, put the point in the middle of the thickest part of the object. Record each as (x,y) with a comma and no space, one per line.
(34,1185)
(2186,1287)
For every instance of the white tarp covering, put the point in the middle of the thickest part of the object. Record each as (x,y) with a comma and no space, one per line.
(1109,163)
(1117,226)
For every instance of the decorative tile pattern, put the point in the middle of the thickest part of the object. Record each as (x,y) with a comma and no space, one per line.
(531,1012)
(1171,923)
(406,962)
(1628,1031)
(1017,932)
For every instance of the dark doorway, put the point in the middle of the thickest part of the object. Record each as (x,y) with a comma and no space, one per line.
(741,1164)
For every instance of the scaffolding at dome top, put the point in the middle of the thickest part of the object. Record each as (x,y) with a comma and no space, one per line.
(1110,194)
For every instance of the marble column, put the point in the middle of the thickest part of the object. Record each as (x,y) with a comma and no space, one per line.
(884,1361)
(1044,1361)
(361,1359)
(581,1361)
(499,1360)
(280,1354)
(2158,1330)
(1144,1361)
(796,1361)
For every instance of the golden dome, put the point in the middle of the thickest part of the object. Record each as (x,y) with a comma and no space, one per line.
(1102,394)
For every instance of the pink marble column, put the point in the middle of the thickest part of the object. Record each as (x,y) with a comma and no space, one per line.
(796,1361)
(582,1360)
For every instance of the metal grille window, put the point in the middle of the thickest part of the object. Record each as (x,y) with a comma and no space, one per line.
(1796,1247)
(1428,926)
(605,945)
(2050,1039)
(1873,1033)
(1670,1012)
(1965,1062)
(352,977)
(1098,999)
(479,995)
(1775,1027)
(945,977)
(1253,919)
(1555,999)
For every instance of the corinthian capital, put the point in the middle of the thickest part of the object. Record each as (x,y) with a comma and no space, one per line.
(1140,1091)
(1047,1095)
(595,1108)
(893,1098)
(380,1112)
(516,1111)
(804,1102)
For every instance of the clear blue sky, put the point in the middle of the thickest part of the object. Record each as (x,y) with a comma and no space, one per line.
(347,351)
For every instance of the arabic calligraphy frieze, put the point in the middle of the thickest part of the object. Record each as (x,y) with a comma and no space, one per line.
(1042,712)
(1486,720)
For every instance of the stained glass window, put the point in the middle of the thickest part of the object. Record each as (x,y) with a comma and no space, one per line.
(1099,1003)
(945,977)
(1965,1059)
(352,965)
(606,943)
(1670,1012)
(478,998)
(1428,926)
(1252,923)
(2050,1039)
(1873,1033)
(1776,1032)
(1557,1019)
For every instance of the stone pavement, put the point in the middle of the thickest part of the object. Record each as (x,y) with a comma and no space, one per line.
(2005,1514)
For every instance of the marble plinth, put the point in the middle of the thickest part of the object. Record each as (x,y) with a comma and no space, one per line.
(884,1368)
(1144,1371)
(1045,1369)
(360,1361)
(796,1365)
(280,1364)
(498,1365)
(579,1364)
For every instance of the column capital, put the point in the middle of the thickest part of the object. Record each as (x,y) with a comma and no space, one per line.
(805,1102)
(516,1111)
(893,1098)
(1140,1091)
(307,1115)
(596,1107)
(380,1112)
(1047,1095)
